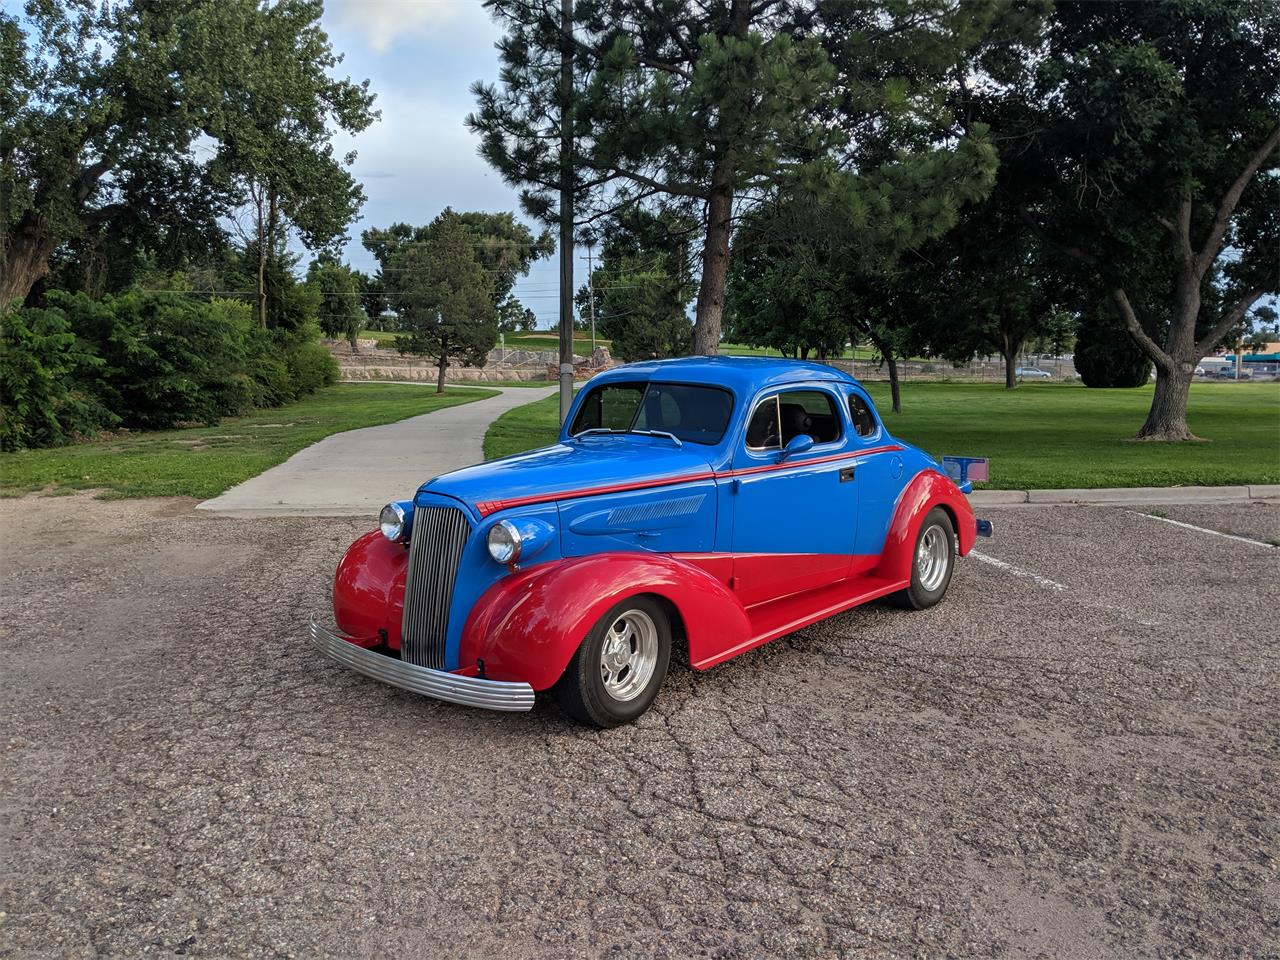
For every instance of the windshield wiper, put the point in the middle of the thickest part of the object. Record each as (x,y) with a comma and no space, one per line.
(644,433)
(597,430)
(660,433)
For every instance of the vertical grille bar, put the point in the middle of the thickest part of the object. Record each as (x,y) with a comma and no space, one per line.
(435,550)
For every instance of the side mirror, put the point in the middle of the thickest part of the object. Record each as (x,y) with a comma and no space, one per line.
(797,444)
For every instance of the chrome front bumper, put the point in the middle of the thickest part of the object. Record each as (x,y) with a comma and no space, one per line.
(468,691)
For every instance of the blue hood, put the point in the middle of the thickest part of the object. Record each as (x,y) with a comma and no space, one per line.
(601,461)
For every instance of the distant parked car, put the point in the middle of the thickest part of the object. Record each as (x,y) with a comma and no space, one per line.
(1032,373)
(1200,372)
(1229,373)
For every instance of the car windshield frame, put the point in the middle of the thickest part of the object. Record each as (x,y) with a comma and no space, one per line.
(573,432)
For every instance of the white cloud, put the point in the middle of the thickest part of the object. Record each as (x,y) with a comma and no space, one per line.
(383,22)
(419,159)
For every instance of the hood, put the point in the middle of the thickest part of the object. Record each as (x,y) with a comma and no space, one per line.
(581,467)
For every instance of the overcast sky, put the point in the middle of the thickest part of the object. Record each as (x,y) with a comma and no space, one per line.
(421,57)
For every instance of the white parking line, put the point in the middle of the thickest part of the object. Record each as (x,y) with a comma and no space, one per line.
(1216,533)
(1057,587)
(1035,578)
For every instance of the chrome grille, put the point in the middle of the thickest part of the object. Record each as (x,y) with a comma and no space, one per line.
(435,550)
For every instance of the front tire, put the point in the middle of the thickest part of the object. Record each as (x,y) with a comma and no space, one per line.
(615,674)
(932,562)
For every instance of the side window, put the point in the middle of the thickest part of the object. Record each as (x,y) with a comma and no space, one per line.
(808,411)
(762,431)
(864,421)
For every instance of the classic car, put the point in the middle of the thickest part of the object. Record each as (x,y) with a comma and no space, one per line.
(711,504)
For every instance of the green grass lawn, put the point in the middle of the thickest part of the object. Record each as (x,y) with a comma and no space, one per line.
(204,461)
(1044,435)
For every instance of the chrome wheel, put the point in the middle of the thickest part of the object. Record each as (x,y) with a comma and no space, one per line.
(933,558)
(629,655)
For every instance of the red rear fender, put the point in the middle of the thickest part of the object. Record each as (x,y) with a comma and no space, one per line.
(927,490)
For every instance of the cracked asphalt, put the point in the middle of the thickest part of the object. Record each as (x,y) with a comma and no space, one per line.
(1076,755)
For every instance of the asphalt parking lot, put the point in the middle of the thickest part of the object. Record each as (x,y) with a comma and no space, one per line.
(1076,755)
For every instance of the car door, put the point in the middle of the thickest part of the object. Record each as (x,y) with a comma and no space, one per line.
(795,519)
(880,479)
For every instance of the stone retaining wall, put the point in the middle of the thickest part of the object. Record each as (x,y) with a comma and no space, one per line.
(375,363)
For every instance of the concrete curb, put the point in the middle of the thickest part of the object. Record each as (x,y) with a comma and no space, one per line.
(993,498)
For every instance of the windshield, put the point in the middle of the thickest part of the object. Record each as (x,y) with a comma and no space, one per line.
(693,413)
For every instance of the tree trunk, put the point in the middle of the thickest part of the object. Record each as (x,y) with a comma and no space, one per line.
(26,260)
(262,283)
(715,264)
(266,249)
(895,392)
(715,248)
(1175,362)
(1167,419)
(442,365)
(1010,369)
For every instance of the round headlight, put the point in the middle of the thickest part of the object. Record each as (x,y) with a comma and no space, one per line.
(504,542)
(393,523)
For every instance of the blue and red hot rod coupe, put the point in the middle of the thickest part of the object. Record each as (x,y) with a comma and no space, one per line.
(721,501)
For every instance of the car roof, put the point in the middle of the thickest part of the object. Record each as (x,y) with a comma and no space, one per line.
(742,375)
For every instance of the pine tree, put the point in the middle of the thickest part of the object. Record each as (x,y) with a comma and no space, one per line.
(679,101)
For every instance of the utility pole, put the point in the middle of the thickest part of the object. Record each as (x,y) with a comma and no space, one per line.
(591,299)
(566,207)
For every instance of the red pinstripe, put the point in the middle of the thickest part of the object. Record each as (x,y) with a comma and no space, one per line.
(769,467)
(486,507)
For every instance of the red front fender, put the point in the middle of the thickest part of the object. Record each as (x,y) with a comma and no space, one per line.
(928,489)
(368,590)
(527,626)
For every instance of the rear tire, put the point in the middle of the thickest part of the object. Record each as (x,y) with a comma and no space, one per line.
(932,562)
(616,671)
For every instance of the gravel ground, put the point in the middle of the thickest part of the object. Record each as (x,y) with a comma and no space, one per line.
(1075,756)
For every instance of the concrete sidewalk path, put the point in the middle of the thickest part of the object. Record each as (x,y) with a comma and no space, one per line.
(359,471)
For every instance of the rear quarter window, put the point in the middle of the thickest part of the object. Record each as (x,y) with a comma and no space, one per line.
(864,421)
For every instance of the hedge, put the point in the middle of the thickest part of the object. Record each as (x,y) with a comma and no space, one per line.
(144,360)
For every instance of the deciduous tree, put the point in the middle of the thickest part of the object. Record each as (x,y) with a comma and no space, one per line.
(643,285)
(1146,133)
(445,298)
(504,247)
(103,109)
(338,289)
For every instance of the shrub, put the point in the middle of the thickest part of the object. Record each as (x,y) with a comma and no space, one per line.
(147,359)
(264,372)
(167,358)
(1106,355)
(42,366)
(311,367)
